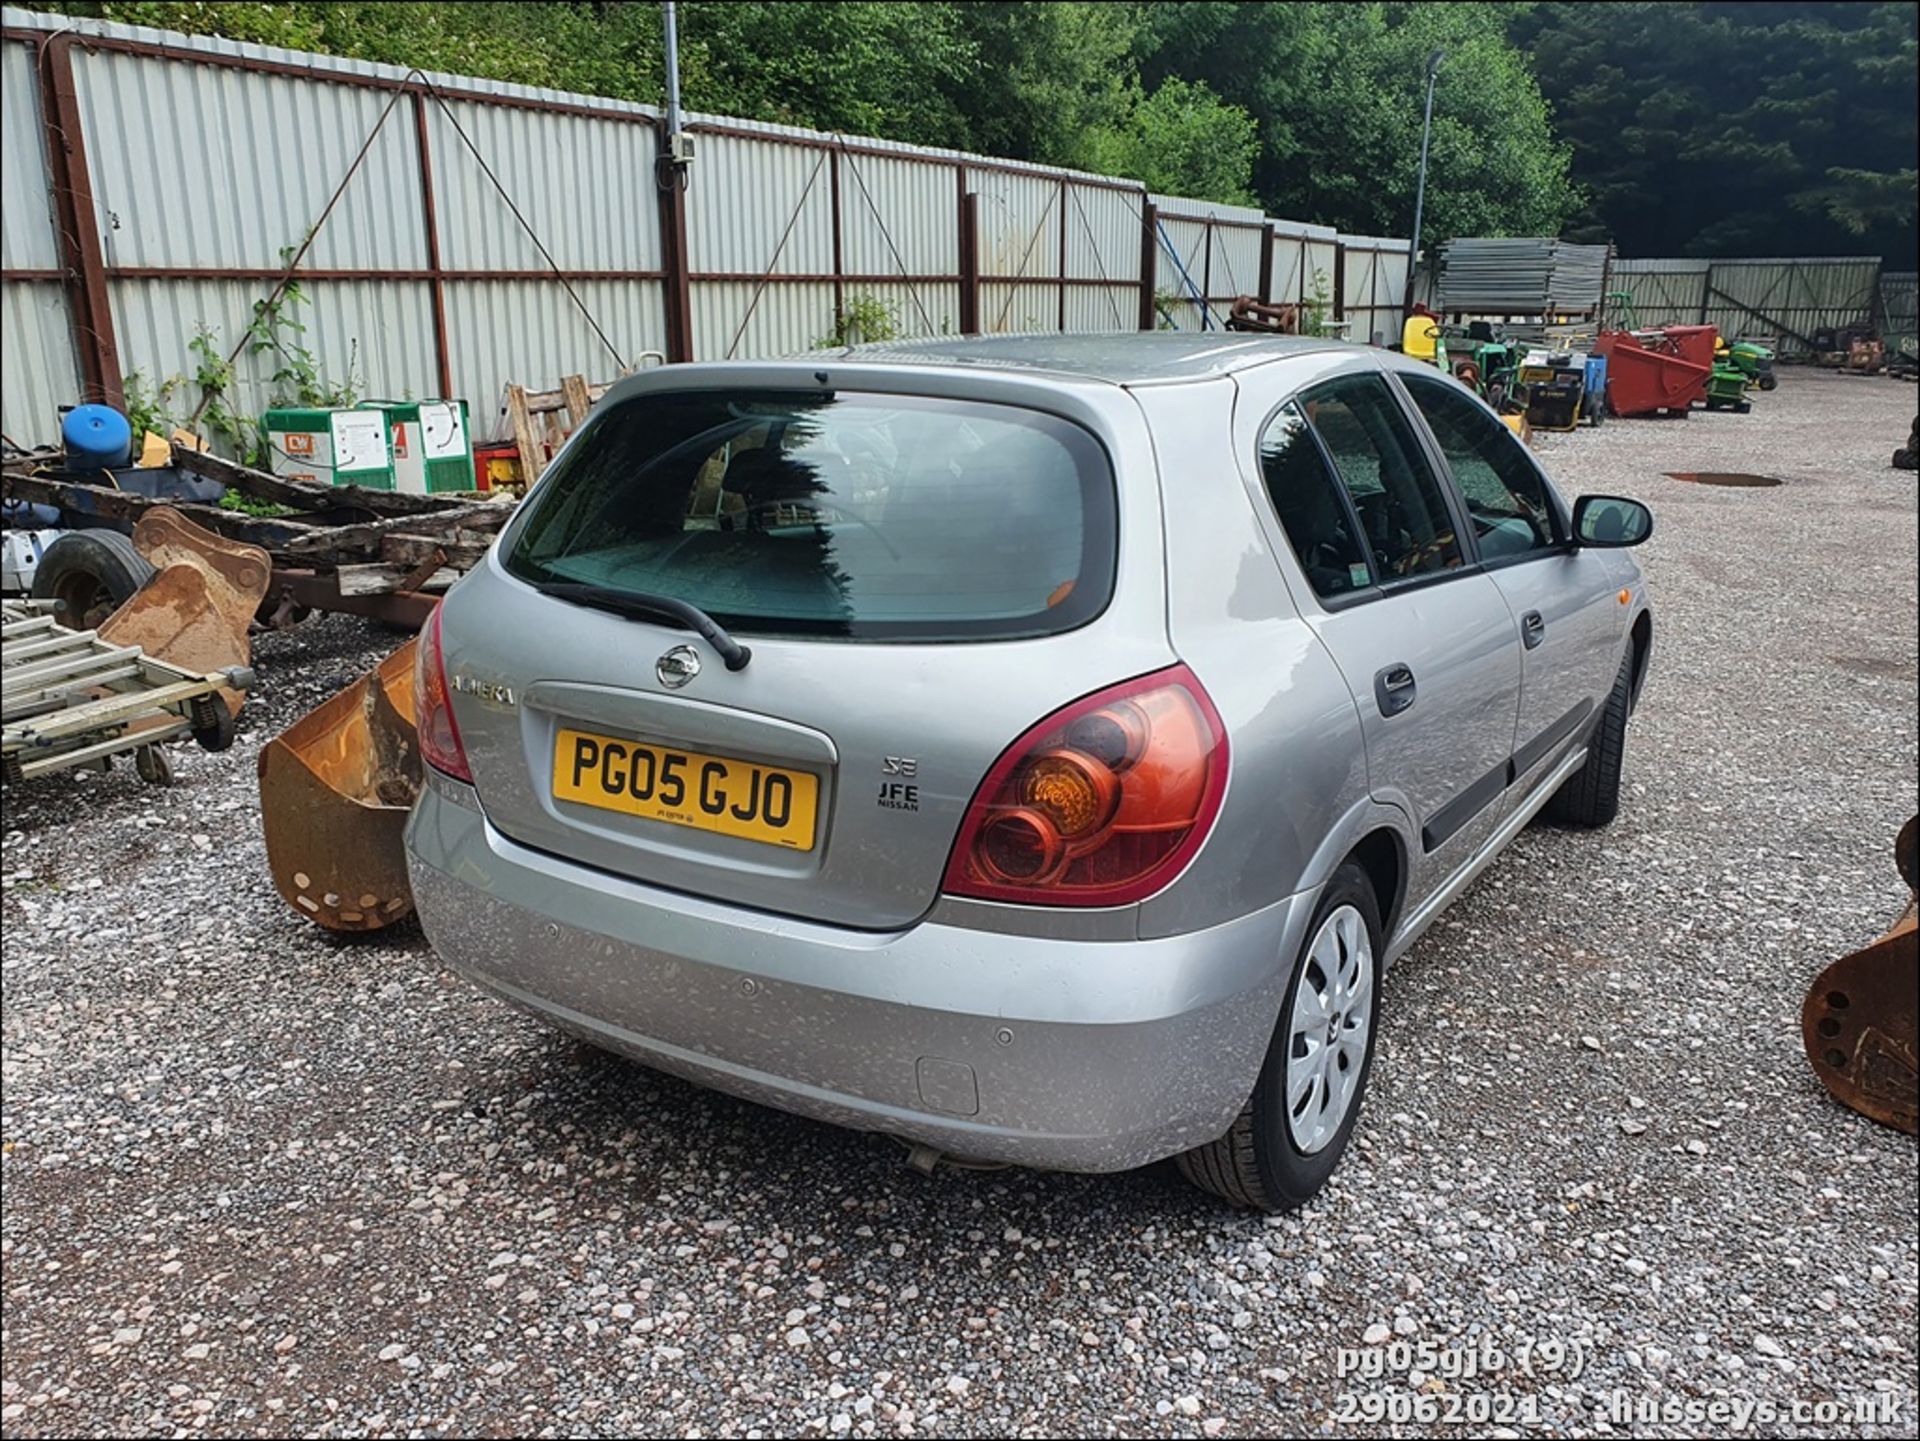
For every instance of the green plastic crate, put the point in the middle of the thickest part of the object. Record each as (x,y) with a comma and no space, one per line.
(432,445)
(350,446)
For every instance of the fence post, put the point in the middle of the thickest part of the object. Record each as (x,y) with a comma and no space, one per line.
(969,259)
(675,285)
(1206,276)
(839,264)
(1706,291)
(1063,254)
(88,308)
(436,286)
(1339,277)
(1266,264)
(1149,260)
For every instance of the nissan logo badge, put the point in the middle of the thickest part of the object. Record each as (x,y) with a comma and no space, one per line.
(677,666)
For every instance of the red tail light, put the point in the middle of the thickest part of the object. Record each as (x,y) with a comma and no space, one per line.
(1102,803)
(433,707)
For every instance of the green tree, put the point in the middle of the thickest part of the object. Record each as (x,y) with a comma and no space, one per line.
(1050,81)
(1337,92)
(596,49)
(1730,129)
(861,67)
(1183,140)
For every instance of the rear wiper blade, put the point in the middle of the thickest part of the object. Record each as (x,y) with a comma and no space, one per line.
(643,606)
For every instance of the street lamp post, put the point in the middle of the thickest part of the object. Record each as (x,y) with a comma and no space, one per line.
(1420,191)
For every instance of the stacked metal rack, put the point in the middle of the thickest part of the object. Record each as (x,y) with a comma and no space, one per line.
(1531,276)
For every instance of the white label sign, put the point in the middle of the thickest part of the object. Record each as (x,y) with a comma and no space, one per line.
(359,440)
(442,432)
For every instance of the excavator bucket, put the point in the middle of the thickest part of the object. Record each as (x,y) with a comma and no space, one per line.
(1858,1020)
(335,789)
(194,610)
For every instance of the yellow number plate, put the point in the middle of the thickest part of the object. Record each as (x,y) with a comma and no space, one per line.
(686,788)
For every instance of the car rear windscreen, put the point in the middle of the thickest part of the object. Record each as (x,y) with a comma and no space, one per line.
(864,516)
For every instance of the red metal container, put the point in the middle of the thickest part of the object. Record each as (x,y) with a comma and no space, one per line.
(1646,375)
(1694,342)
(495,462)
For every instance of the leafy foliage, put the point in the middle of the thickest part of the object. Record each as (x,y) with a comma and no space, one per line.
(239,500)
(1687,126)
(863,320)
(1728,129)
(149,407)
(1182,140)
(1337,91)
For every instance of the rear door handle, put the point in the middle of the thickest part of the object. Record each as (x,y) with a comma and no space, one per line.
(1533,629)
(1393,688)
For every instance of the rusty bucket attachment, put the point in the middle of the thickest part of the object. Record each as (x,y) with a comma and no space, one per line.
(1858,1021)
(194,610)
(335,789)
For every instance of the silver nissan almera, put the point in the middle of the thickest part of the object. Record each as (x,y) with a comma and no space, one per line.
(1032,748)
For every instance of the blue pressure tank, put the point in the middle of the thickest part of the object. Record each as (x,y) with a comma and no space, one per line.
(96,437)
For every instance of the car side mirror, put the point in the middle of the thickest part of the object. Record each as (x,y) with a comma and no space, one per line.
(1610,521)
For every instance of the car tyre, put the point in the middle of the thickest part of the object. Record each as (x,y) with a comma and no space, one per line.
(1261,1162)
(1590,797)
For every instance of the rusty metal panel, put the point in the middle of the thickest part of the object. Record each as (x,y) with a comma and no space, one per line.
(1290,267)
(1900,302)
(1375,287)
(741,195)
(1789,300)
(1017,307)
(1102,308)
(1182,275)
(530,332)
(913,203)
(788,318)
(41,372)
(1019,228)
(1785,299)
(26,210)
(586,186)
(205,166)
(1103,233)
(1235,262)
(381,331)
(1318,263)
(1665,292)
(1207,209)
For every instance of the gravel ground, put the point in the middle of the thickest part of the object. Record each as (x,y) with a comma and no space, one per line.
(258,1180)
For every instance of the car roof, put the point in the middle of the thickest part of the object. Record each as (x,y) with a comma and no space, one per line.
(1127,358)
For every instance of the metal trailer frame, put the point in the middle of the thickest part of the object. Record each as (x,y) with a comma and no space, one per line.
(73,699)
(389,561)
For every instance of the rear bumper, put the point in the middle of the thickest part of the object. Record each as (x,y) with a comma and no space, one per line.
(1068,1055)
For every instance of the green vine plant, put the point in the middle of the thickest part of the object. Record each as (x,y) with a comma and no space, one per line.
(1317,306)
(149,408)
(863,320)
(297,379)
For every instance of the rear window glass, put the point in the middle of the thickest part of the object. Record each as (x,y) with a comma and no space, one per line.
(863,516)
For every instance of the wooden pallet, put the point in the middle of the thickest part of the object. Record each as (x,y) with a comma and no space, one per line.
(543,419)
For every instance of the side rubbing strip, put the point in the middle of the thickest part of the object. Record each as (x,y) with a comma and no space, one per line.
(1465,806)
(1483,792)
(1537,749)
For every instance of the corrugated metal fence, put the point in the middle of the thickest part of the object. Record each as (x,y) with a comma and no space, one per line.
(1787,299)
(467,233)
